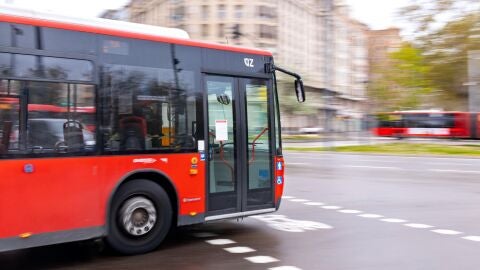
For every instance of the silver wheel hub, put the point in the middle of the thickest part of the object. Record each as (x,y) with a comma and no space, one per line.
(138,216)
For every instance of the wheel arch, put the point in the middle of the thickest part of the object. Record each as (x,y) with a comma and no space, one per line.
(153,175)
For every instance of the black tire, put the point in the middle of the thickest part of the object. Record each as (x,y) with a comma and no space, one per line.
(125,243)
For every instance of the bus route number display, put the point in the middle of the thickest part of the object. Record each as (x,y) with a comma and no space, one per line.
(221,130)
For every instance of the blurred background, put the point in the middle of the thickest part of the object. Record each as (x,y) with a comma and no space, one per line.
(357,58)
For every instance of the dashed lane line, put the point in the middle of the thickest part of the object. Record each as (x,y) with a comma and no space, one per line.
(239,250)
(288,197)
(418,226)
(393,220)
(261,259)
(331,207)
(284,268)
(472,238)
(370,216)
(242,250)
(314,203)
(298,200)
(447,232)
(350,211)
(220,242)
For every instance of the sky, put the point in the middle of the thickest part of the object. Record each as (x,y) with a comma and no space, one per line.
(377,14)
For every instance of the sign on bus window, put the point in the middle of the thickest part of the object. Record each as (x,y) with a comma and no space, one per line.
(221,130)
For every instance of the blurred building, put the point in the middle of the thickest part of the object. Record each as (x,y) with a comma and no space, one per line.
(315,38)
(380,44)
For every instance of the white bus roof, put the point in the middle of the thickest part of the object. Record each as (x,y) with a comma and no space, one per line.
(95,22)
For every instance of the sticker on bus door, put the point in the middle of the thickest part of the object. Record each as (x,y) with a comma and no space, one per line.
(221,130)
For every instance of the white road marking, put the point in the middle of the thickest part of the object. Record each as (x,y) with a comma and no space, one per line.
(418,226)
(298,200)
(370,216)
(261,259)
(239,250)
(297,163)
(472,238)
(393,220)
(453,171)
(282,223)
(447,232)
(314,203)
(331,207)
(372,167)
(284,268)
(219,242)
(288,197)
(350,211)
(204,235)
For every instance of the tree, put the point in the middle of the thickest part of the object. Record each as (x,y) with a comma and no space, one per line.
(404,83)
(426,15)
(445,30)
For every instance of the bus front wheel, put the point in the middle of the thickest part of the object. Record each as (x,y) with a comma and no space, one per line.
(140,217)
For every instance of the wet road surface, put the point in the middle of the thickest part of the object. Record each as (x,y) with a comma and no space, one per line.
(340,211)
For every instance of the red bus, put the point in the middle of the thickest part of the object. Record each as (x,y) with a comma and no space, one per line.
(428,124)
(183,132)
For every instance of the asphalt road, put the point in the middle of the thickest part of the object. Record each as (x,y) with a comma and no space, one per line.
(339,212)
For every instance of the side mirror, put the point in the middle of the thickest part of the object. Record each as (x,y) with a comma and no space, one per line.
(300,90)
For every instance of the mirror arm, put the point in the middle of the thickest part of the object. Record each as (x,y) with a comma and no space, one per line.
(271,67)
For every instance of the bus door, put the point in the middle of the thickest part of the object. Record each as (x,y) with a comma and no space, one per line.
(239,150)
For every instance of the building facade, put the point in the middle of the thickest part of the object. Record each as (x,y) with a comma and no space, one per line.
(316,38)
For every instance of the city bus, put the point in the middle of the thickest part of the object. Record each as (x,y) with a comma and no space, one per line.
(428,124)
(183,132)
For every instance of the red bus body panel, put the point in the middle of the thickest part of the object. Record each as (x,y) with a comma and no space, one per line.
(279,180)
(70,193)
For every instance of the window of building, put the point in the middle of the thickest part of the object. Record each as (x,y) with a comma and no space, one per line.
(267,31)
(178,13)
(238,11)
(265,12)
(205,31)
(222,12)
(221,30)
(205,12)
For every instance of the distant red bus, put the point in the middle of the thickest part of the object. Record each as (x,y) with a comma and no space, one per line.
(428,124)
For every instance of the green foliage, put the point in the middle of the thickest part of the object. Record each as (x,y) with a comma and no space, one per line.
(445,30)
(404,84)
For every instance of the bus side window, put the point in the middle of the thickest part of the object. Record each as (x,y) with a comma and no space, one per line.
(5,131)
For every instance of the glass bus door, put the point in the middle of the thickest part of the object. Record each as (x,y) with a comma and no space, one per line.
(239,150)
